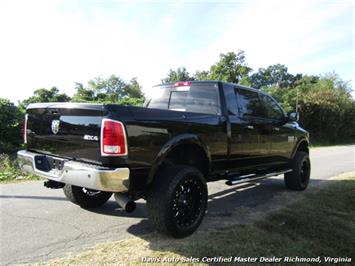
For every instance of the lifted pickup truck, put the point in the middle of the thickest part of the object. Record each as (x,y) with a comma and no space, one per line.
(187,134)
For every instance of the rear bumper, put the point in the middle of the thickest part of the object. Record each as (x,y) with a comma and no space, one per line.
(78,174)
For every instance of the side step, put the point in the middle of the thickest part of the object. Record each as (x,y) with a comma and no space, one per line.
(254,177)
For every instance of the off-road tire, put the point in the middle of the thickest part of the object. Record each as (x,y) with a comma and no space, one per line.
(177,200)
(298,179)
(85,198)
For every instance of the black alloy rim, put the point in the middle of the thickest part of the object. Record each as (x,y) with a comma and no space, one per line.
(188,203)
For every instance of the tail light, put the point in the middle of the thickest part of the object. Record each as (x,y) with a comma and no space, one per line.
(113,138)
(25,129)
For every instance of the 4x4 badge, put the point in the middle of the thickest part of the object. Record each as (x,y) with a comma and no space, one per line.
(55,126)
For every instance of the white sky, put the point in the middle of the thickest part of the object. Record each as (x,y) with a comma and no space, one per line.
(57,43)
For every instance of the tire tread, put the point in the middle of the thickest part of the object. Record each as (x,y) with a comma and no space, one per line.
(158,197)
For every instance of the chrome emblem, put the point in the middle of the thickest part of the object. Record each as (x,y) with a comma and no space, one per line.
(55,126)
(89,137)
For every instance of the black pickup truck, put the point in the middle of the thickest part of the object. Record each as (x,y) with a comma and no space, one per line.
(187,134)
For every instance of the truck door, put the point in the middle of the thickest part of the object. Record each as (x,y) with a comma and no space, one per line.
(249,144)
(281,138)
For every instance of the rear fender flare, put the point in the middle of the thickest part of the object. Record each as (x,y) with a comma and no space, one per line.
(173,143)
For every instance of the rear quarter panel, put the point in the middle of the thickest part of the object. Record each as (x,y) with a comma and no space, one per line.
(151,129)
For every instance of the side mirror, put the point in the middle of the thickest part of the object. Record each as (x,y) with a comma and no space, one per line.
(294,116)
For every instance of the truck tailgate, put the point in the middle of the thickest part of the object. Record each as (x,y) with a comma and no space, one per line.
(65,130)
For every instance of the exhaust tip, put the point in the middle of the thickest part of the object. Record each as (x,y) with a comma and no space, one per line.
(125,202)
(130,206)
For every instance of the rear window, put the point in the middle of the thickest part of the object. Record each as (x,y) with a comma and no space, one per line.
(198,98)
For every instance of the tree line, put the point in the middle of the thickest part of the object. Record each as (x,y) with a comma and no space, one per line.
(326,107)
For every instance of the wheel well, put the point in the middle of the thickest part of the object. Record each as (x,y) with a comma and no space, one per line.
(303,147)
(189,154)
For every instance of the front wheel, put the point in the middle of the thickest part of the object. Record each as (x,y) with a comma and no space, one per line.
(84,197)
(177,200)
(298,179)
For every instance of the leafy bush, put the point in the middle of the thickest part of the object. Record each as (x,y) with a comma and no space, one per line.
(9,170)
(132,101)
(323,114)
(11,124)
(326,107)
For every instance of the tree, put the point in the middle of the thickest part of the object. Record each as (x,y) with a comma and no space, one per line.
(326,107)
(11,121)
(44,95)
(82,94)
(201,75)
(109,90)
(180,74)
(231,67)
(274,75)
(134,90)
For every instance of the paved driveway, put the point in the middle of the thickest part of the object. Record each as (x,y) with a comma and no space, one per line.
(38,223)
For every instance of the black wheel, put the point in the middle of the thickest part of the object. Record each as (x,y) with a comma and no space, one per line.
(177,200)
(84,197)
(298,179)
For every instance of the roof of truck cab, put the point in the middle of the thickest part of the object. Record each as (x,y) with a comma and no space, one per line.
(192,81)
(210,81)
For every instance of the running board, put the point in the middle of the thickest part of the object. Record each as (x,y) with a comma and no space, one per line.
(254,177)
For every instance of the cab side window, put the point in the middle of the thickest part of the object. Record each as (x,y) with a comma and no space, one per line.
(249,104)
(229,94)
(271,109)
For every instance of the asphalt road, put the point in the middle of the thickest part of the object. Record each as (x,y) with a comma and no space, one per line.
(37,223)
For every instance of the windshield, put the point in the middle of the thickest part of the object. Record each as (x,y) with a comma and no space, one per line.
(197,97)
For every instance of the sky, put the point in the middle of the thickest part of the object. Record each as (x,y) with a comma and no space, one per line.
(57,43)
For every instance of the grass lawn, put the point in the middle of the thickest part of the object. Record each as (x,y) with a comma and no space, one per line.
(322,225)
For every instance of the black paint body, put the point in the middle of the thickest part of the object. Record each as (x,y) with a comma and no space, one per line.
(226,141)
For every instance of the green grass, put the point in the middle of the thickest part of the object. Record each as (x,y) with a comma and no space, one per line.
(10,171)
(327,143)
(321,224)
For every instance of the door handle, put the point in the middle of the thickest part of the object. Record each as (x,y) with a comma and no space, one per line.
(222,119)
(249,127)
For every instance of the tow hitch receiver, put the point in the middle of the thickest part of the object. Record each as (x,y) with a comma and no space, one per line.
(53,184)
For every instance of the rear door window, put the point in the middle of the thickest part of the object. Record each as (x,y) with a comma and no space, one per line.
(231,99)
(249,104)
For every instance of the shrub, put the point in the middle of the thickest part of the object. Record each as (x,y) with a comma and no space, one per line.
(11,123)
(326,107)
(9,169)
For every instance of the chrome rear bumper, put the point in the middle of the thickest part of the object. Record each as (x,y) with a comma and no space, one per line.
(78,174)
